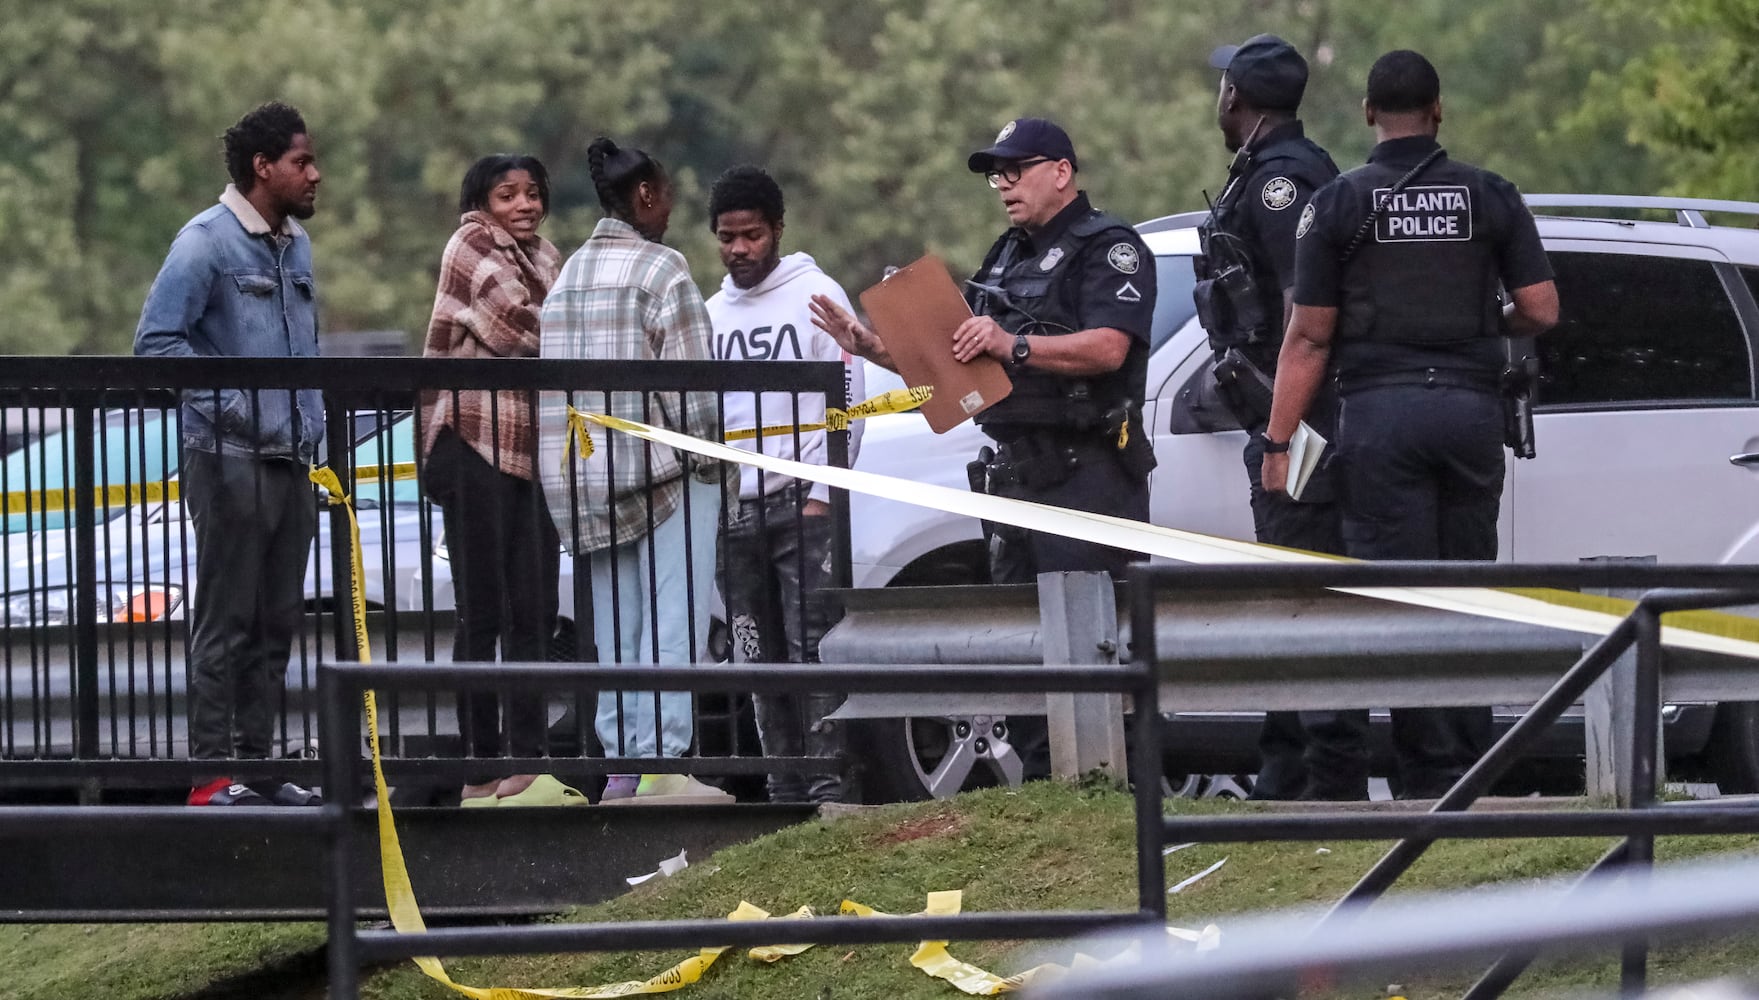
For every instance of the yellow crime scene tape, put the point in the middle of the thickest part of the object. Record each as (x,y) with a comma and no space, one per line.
(1707,631)
(130,494)
(891,401)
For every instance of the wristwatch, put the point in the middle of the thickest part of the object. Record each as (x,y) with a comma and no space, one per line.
(1273,447)
(1022,349)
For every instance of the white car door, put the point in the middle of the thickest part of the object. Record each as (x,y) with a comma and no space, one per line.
(1646,390)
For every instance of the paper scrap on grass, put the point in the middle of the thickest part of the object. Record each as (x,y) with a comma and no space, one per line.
(668,868)
(1177,847)
(1205,873)
(1207,939)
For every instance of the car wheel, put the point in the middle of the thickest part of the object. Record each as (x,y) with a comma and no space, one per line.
(1732,751)
(934,757)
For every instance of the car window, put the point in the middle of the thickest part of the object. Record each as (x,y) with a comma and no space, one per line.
(1173,304)
(131,448)
(373,471)
(1641,329)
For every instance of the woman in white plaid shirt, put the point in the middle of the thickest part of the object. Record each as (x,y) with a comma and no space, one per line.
(629,508)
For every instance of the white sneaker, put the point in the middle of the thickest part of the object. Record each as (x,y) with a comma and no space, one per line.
(672,790)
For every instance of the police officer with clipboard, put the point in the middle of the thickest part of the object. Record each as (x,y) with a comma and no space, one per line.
(1398,265)
(1245,279)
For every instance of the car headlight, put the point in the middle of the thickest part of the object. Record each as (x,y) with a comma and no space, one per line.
(120,603)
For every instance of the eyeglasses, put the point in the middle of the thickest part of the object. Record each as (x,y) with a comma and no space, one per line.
(1010,172)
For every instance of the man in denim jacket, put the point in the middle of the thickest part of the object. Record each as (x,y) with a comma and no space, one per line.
(238,283)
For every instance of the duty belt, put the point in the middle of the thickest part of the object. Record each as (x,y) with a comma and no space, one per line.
(1429,378)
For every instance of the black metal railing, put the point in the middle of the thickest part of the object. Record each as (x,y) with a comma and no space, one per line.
(342,687)
(97,567)
(1640,630)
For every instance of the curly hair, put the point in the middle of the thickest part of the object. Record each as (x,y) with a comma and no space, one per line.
(268,130)
(745,188)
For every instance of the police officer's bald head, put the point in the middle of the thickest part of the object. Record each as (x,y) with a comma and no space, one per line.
(1403,80)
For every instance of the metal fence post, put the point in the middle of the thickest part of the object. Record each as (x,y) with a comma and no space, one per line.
(85,582)
(1080,626)
(340,434)
(1608,712)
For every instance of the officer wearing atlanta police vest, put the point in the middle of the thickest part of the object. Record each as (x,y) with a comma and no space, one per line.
(1065,299)
(1246,276)
(1397,271)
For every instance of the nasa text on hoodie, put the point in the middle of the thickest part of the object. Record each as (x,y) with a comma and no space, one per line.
(773,322)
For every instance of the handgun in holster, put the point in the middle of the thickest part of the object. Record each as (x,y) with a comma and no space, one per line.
(1124,427)
(1244,387)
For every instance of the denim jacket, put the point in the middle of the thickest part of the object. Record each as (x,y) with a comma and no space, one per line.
(229,287)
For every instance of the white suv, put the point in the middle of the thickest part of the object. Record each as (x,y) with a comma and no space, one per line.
(1646,429)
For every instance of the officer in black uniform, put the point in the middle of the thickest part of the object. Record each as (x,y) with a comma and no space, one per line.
(1246,276)
(1065,299)
(1399,264)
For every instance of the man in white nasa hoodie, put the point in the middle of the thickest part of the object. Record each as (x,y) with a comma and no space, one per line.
(776,546)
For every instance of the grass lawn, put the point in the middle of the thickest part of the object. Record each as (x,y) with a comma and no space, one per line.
(1049,846)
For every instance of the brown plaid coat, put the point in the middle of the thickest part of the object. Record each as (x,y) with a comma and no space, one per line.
(491,290)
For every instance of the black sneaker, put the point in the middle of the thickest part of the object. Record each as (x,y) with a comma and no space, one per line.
(225,792)
(286,793)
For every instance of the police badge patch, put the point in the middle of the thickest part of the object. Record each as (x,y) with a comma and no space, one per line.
(1279,193)
(1007,130)
(1306,222)
(1123,258)
(1050,259)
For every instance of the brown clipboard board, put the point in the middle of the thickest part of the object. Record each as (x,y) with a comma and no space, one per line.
(915,311)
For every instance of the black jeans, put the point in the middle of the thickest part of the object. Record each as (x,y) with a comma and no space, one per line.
(775,561)
(1314,754)
(254,521)
(506,558)
(1422,476)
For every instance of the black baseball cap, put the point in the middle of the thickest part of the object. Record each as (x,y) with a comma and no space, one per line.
(1023,139)
(1266,70)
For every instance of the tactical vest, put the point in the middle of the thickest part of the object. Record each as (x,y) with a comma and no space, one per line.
(1045,302)
(1426,275)
(1239,302)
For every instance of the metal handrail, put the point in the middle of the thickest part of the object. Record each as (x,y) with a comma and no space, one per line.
(1640,629)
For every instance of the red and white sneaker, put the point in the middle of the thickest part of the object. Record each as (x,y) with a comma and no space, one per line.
(225,792)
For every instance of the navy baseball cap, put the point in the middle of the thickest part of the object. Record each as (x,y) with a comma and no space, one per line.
(1023,139)
(1266,70)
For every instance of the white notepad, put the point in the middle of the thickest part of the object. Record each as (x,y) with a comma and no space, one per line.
(1306,446)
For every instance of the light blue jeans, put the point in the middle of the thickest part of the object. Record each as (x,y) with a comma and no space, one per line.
(683,589)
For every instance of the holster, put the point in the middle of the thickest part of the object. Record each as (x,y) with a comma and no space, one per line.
(1246,389)
(1517,408)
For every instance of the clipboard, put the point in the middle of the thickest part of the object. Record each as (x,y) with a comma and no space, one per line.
(915,312)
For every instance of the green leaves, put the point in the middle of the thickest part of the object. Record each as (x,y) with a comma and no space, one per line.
(110,114)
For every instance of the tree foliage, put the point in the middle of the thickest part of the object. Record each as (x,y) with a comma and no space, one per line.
(110,112)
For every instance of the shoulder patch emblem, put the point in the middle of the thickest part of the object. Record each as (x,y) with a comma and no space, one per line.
(1123,258)
(1007,130)
(1051,258)
(1279,193)
(1306,222)
(1128,293)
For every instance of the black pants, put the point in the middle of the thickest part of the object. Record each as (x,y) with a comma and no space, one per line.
(774,563)
(1100,485)
(254,522)
(1422,475)
(506,558)
(1315,754)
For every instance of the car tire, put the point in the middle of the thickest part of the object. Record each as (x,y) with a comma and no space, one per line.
(1732,752)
